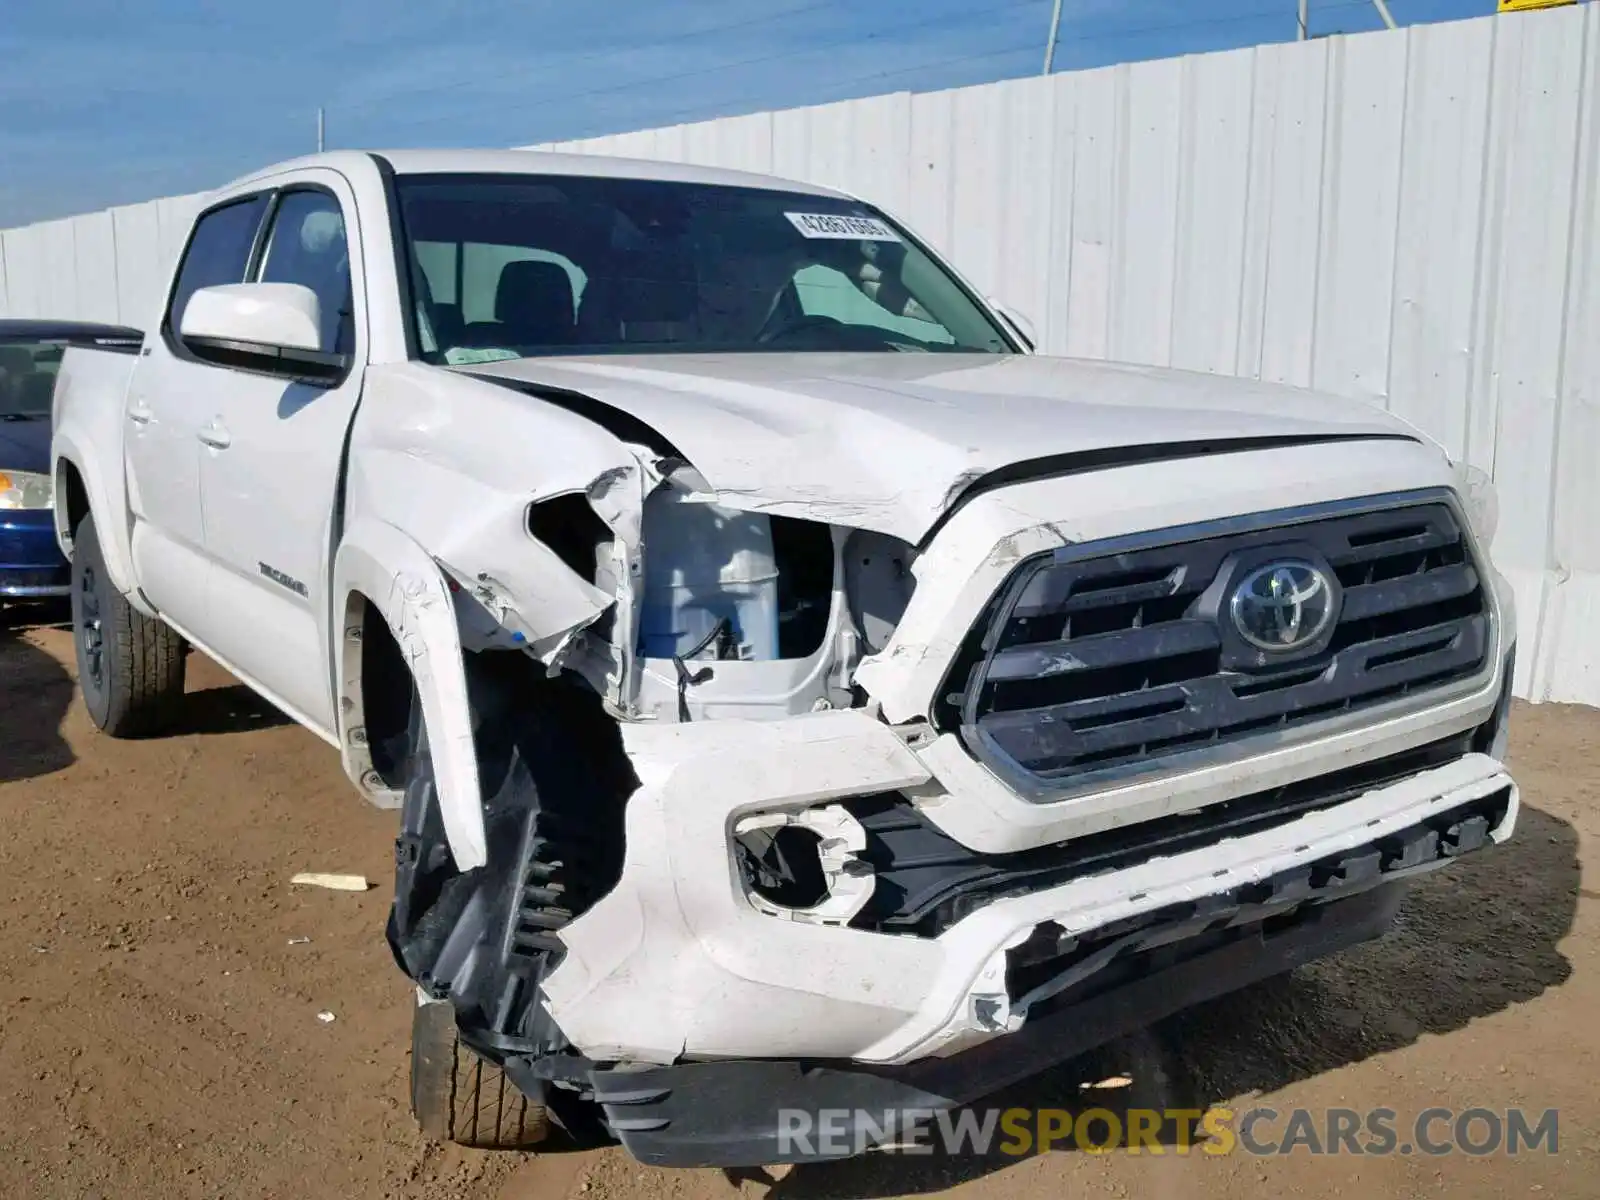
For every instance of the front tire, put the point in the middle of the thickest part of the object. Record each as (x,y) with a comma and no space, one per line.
(555,846)
(460,1097)
(130,666)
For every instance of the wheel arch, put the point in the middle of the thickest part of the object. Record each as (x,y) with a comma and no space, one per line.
(382,575)
(73,504)
(83,491)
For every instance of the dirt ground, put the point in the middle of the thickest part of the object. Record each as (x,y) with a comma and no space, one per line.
(160,1031)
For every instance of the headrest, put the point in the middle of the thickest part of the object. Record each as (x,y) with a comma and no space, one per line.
(534,292)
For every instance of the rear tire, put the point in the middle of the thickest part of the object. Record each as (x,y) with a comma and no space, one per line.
(459,1097)
(130,666)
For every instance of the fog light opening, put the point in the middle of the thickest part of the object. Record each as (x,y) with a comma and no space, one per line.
(784,865)
(803,866)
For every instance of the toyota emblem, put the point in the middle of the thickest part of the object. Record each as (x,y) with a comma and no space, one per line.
(1283,606)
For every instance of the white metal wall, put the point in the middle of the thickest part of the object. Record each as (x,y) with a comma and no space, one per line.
(105,266)
(1406,218)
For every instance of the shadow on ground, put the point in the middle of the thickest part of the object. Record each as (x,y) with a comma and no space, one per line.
(1470,941)
(35,692)
(231,709)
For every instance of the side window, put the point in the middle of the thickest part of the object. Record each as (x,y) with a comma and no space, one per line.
(307,246)
(218,252)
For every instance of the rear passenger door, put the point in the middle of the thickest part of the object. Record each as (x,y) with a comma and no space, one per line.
(270,470)
(168,404)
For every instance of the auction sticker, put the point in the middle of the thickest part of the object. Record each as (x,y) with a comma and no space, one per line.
(831,225)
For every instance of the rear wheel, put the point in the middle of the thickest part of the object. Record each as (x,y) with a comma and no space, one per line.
(459,1097)
(130,666)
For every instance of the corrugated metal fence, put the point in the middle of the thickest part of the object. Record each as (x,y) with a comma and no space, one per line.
(1405,218)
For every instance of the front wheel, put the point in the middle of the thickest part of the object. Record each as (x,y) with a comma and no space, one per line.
(130,666)
(459,1097)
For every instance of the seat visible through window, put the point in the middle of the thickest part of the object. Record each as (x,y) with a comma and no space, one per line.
(533,306)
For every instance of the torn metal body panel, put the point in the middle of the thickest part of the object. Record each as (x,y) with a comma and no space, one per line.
(469,500)
(686,918)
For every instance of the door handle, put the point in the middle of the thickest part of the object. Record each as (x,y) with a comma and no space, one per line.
(215,436)
(139,414)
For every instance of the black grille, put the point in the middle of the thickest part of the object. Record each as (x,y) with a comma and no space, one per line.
(1089,665)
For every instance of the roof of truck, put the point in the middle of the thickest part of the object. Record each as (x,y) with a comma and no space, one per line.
(539,162)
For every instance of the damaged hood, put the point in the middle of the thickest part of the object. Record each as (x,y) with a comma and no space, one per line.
(888,442)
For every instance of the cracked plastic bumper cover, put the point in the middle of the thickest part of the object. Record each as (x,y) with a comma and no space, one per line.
(732,1113)
(728,981)
(736,1112)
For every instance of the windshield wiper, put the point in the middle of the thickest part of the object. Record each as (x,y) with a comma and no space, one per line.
(24,416)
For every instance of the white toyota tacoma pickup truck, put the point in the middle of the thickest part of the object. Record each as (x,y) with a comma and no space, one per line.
(798,694)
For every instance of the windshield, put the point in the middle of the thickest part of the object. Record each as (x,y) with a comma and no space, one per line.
(513,266)
(28,379)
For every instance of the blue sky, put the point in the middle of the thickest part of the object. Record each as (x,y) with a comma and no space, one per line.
(107,102)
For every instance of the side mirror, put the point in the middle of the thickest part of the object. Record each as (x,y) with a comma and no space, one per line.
(273,327)
(1020,325)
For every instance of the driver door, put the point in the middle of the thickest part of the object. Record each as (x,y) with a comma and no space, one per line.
(271,465)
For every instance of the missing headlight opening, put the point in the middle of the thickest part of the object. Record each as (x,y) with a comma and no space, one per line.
(711,581)
(805,557)
(570,526)
(726,585)
(748,615)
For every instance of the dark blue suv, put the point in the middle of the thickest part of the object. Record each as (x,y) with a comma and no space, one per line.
(31,565)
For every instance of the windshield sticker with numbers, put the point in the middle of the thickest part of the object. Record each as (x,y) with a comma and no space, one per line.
(830,225)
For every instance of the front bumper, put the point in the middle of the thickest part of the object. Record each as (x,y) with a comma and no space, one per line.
(31,564)
(748,1112)
(727,981)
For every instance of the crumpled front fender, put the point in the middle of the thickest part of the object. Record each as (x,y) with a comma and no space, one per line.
(402,581)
